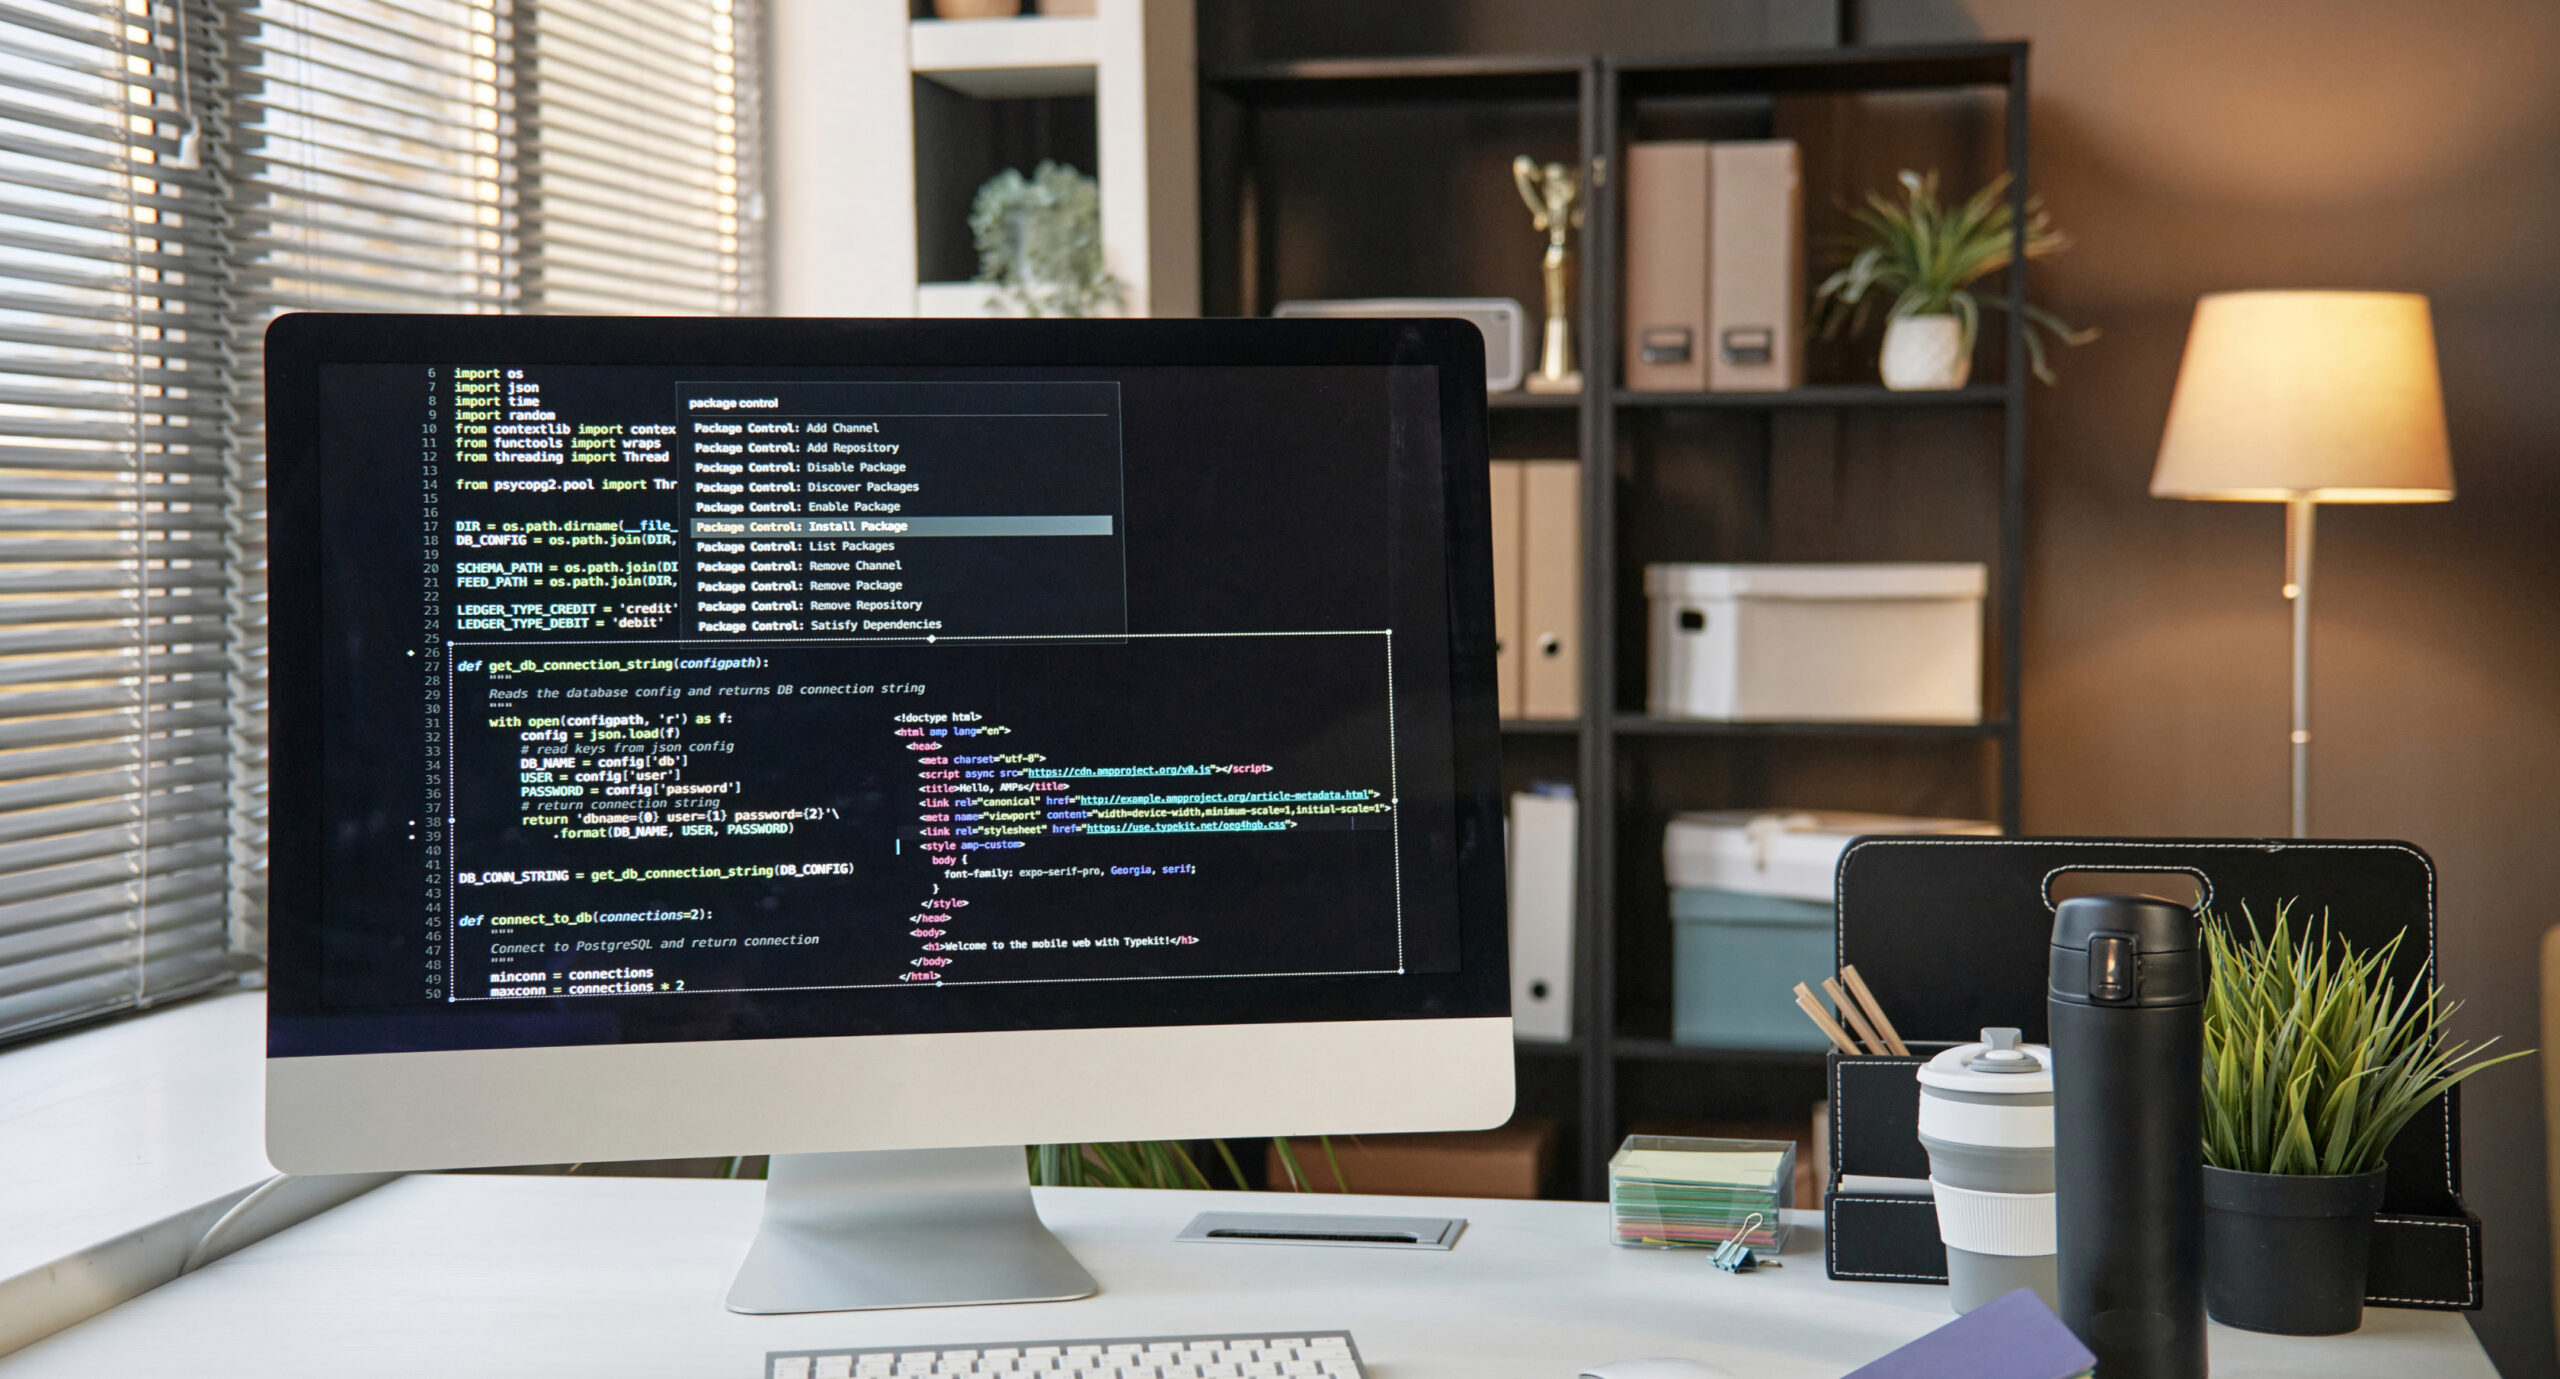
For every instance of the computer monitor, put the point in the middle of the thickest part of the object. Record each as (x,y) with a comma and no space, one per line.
(705,737)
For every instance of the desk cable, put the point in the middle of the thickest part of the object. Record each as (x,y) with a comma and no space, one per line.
(202,1253)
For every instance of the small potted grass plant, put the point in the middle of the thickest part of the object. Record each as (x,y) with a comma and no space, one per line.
(1921,259)
(2313,1060)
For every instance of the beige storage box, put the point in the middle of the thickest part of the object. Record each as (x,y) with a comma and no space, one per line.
(1822,643)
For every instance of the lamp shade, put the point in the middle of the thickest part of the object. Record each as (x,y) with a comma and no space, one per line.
(2330,396)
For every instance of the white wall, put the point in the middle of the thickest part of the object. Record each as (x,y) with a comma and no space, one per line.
(840,185)
(840,188)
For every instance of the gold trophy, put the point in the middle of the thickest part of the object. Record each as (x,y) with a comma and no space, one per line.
(1554,195)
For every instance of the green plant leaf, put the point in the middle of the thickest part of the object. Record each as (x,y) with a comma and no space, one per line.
(1039,242)
(1234,1169)
(1926,258)
(1289,1163)
(2314,1058)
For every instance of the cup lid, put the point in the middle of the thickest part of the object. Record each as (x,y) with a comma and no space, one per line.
(1999,1065)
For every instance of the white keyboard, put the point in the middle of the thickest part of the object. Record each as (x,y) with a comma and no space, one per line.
(1305,1355)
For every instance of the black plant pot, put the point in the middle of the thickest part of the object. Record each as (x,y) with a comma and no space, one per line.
(2286,1253)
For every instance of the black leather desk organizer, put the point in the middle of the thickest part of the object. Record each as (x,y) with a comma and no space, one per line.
(1950,933)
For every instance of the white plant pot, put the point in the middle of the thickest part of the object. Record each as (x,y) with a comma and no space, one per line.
(1925,353)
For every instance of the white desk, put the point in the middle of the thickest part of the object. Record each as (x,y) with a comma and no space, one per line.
(120,1145)
(561,1277)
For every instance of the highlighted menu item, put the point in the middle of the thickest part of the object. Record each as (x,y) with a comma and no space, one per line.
(802,499)
(1092,524)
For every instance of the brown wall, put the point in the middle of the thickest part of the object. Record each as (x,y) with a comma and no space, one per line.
(2191,147)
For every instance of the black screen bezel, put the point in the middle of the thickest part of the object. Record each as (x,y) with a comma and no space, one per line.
(297,345)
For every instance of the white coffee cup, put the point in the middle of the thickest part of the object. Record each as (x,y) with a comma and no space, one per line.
(1986,1118)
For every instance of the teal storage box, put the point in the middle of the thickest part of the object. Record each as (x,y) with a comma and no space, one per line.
(1736,959)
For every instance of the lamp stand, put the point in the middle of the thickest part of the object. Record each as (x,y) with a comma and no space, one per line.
(2299,519)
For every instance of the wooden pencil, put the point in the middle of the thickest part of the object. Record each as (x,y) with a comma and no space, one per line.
(1850,1015)
(1822,1018)
(1875,1010)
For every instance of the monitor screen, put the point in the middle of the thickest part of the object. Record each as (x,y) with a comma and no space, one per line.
(647,681)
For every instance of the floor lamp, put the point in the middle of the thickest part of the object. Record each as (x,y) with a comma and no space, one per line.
(2304,398)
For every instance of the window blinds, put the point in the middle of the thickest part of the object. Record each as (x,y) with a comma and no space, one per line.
(165,191)
(116,503)
(633,197)
(375,171)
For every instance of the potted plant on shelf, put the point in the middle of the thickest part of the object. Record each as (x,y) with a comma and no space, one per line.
(1923,259)
(1039,241)
(2313,1061)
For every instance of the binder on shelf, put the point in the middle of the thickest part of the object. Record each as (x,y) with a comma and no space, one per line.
(1755,267)
(1551,589)
(1542,885)
(1507,654)
(1715,266)
(1666,267)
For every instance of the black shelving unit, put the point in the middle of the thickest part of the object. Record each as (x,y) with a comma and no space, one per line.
(1821,395)
(1639,725)
(1310,150)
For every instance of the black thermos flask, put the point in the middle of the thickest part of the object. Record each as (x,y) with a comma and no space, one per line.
(2125,999)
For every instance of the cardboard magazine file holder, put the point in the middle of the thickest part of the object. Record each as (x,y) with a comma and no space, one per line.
(1951,934)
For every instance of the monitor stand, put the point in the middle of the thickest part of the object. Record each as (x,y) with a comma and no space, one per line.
(902,1228)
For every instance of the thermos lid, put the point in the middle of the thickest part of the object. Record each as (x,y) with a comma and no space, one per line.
(2157,926)
(2126,950)
(1999,1065)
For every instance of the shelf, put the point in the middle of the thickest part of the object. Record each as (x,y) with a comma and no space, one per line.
(1912,67)
(1518,400)
(1824,395)
(1008,59)
(1665,1051)
(1274,123)
(963,300)
(1644,725)
(1883,68)
(1325,81)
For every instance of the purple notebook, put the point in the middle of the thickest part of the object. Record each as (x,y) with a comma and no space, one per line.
(2010,1337)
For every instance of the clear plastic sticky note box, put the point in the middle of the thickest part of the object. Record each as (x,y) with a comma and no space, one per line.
(1668,1192)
